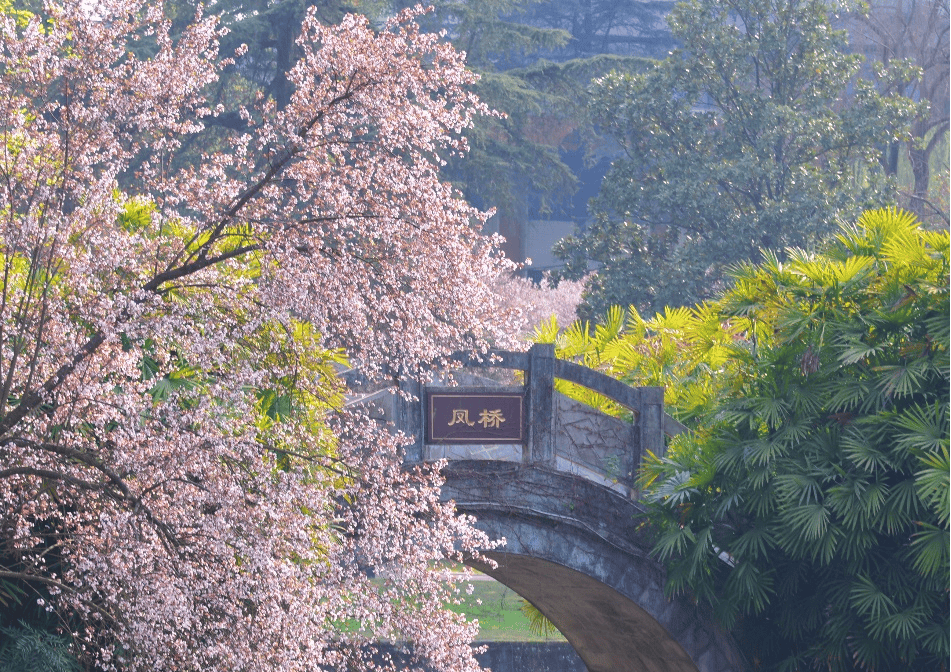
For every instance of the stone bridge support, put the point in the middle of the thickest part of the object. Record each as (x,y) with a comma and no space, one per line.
(564,497)
(577,551)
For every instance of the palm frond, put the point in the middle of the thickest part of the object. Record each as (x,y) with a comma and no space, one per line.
(538,623)
(930,552)
(923,429)
(869,600)
(933,482)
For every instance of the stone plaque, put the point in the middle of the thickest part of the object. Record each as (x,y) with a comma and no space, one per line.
(460,416)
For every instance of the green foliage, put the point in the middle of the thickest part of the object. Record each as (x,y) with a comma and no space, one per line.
(488,33)
(912,38)
(737,142)
(538,623)
(808,505)
(629,27)
(28,649)
(515,158)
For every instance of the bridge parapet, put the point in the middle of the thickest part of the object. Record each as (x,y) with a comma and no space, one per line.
(582,555)
(557,482)
(558,432)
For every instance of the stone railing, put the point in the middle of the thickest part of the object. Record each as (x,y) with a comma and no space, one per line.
(559,433)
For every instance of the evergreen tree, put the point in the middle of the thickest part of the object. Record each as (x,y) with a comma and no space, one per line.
(738,141)
(623,27)
(517,164)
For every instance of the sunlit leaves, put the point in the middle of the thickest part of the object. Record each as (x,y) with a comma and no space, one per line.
(818,457)
(187,483)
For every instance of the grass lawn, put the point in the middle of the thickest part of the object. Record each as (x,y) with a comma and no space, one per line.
(500,614)
(498,610)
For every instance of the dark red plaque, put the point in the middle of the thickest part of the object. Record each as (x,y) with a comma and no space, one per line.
(460,416)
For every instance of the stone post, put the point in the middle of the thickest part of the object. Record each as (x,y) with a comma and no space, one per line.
(541,406)
(651,421)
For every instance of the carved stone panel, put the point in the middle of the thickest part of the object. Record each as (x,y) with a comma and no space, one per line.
(594,445)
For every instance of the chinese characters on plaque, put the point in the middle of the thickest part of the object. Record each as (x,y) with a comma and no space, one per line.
(458,416)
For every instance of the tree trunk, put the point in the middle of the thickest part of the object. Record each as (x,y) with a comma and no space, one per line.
(920,153)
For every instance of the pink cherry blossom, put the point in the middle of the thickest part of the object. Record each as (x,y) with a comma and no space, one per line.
(152,490)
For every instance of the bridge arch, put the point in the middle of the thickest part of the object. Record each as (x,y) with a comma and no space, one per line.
(577,551)
(565,498)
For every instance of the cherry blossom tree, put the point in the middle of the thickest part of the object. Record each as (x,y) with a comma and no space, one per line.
(535,306)
(180,482)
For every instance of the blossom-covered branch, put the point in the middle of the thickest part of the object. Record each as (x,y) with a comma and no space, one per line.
(178,478)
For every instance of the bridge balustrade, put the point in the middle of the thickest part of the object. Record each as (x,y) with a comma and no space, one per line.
(560,433)
(559,486)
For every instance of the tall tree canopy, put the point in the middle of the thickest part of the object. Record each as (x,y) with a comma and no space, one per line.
(808,503)
(270,30)
(179,484)
(625,27)
(736,142)
(517,162)
(506,162)
(914,33)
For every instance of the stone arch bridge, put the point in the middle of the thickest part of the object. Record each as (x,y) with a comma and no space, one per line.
(556,479)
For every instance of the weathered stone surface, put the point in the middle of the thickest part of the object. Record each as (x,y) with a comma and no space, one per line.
(590,444)
(566,504)
(498,452)
(597,584)
(541,407)
(531,657)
